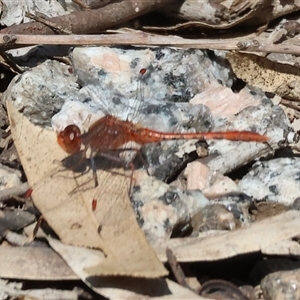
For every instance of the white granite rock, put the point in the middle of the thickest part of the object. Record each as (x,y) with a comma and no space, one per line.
(276,180)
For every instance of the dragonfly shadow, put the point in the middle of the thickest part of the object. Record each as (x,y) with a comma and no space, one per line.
(108,161)
(76,162)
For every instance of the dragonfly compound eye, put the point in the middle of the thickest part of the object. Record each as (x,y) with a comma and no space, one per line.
(69,139)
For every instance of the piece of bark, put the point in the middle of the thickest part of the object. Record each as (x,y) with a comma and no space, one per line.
(91,21)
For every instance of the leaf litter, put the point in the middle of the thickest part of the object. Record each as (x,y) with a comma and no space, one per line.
(81,210)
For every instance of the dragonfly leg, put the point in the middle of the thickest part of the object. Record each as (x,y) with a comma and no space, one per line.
(131,165)
(93,167)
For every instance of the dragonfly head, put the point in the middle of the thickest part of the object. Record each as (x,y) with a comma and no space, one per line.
(69,139)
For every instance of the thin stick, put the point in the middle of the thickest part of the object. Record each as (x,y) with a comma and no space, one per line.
(135,38)
(10,41)
(37,226)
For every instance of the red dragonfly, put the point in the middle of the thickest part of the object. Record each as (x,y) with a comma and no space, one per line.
(110,134)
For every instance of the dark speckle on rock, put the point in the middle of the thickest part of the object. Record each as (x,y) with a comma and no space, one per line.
(274,189)
(169,197)
(297,176)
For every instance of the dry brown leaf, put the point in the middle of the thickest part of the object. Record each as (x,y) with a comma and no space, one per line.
(43,263)
(270,76)
(256,237)
(119,287)
(68,208)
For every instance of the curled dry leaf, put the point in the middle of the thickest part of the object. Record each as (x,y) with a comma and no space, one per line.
(227,14)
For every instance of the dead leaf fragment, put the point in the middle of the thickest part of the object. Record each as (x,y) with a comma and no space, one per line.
(270,76)
(120,287)
(39,263)
(257,237)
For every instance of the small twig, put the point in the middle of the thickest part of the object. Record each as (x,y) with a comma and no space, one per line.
(37,226)
(176,269)
(44,20)
(14,191)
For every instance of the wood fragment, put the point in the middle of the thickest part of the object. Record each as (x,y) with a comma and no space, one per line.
(176,269)
(37,226)
(91,21)
(11,41)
